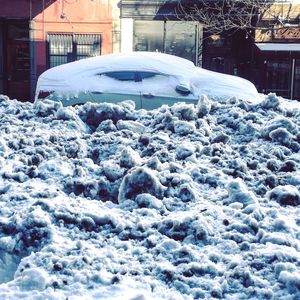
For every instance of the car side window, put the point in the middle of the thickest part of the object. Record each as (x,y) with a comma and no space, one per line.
(122,75)
(145,75)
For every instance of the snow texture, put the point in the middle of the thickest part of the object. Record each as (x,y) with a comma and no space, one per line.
(185,202)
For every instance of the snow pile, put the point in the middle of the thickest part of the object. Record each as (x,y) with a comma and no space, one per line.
(185,202)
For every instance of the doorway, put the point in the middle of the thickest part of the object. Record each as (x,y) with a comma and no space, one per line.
(15,60)
(296,91)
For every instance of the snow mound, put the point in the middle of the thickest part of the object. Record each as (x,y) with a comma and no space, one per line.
(185,202)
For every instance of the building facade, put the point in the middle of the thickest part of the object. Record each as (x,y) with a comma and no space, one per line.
(154,26)
(277,51)
(38,34)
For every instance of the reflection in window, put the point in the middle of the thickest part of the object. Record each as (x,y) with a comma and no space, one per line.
(146,75)
(278,77)
(181,39)
(297,80)
(218,64)
(172,37)
(122,75)
(148,36)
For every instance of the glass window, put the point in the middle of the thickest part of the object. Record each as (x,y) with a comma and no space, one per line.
(181,39)
(87,45)
(173,37)
(278,73)
(146,75)
(18,56)
(149,36)
(217,64)
(122,75)
(65,48)
(297,80)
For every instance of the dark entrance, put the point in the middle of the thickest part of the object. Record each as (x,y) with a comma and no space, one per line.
(296,87)
(15,59)
(278,77)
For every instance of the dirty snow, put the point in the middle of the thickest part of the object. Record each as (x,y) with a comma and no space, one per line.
(185,202)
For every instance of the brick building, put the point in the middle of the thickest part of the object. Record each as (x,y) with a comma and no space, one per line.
(39,34)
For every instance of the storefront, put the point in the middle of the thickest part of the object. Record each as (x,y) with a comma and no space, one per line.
(155,27)
(277,50)
(281,68)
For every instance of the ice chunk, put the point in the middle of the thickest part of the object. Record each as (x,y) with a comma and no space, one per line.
(271,101)
(238,192)
(184,127)
(285,195)
(147,200)
(130,158)
(203,106)
(141,180)
(33,279)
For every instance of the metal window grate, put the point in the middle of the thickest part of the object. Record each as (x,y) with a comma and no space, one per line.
(87,45)
(63,48)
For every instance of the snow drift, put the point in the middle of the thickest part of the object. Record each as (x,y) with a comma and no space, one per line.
(105,202)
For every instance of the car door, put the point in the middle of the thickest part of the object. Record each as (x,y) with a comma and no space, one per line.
(159,89)
(115,87)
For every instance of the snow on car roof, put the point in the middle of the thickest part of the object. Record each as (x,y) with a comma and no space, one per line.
(79,75)
(143,61)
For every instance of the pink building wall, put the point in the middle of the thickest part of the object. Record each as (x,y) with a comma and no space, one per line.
(61,16)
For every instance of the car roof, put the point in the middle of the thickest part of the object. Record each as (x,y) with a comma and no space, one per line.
(135,61)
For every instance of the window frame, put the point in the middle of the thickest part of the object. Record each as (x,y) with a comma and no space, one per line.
(166,44)
(111,74)
(138,77)
(75,43)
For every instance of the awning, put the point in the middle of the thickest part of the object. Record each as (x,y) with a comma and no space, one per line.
(278,46)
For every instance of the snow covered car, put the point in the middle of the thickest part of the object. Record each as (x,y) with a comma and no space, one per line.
(149,79)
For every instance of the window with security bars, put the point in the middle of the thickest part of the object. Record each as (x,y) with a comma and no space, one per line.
(64,48)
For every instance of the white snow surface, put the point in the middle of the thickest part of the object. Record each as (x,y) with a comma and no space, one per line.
(186,202)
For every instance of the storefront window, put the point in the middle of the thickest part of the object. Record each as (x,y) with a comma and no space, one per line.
(181,39)
(297,80)
(278,74)
(149,36)
(173,37)
(217,64)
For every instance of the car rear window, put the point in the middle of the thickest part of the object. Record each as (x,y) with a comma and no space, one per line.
(122,75)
